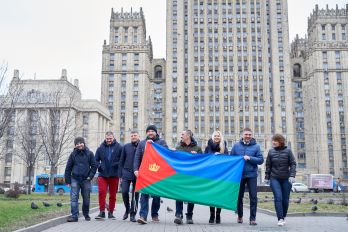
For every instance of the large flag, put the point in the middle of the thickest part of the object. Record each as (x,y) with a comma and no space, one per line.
(211,180)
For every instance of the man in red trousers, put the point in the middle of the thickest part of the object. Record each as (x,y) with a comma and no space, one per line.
(108,156)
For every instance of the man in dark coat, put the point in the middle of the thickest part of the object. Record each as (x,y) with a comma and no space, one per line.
(187,144)
(126,173)
(80,170)
(108,156)
(251,152)
(151,134)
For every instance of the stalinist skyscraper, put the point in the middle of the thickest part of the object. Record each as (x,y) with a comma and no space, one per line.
(228,68)
(126,73)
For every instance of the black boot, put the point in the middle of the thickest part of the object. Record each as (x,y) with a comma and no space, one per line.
(212,215)
(189,219)
(218,218)
(125,198)
(125,215)
(132,217)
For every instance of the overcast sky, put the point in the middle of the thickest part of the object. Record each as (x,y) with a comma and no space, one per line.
(40,37)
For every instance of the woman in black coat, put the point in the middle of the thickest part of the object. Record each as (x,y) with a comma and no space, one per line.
(280,173)
(216,145)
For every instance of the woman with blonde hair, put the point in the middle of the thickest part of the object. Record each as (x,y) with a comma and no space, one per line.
(216,145)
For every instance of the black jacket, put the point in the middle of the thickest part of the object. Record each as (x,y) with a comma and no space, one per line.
(212,148)
(280,163)
(106,167)
(141,148)
(81,164)
(125,168)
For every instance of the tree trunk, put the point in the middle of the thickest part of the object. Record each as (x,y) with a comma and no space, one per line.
(53,171)
(30,170)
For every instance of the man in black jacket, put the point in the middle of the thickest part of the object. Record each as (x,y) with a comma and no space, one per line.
(79,172)
(108,156)
(151,134)
(126,173)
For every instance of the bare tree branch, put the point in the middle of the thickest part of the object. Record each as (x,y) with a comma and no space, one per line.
(29,147)
(8,99)
(57,128)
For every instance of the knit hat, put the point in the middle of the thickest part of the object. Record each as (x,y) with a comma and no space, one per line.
(151,127)
(79,140)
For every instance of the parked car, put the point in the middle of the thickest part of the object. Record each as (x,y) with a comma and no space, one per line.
(299,187)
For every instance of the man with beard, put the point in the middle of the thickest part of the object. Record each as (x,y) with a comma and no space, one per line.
(151,134)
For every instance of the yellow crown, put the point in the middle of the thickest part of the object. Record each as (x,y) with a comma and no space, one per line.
(154,167)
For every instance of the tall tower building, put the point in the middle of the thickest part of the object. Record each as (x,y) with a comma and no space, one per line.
(326,92)
(228,67)
(126,73)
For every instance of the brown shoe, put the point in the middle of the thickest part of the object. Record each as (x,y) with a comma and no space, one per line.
(240,219)
(155,219)
(253,223)
(141,220)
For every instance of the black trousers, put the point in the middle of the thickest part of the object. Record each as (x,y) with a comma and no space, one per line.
(252,186)
(131,206)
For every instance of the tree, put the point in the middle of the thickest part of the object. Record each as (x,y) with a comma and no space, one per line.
(29,147)
(8,99)
(57,128)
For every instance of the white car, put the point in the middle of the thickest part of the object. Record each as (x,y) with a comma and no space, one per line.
(299,187)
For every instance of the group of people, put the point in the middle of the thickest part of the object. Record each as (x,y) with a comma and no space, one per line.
(115,163)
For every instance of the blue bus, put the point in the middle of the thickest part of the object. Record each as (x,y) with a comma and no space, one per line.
(42,181)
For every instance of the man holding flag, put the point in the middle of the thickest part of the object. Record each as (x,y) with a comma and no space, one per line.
(151,134)
(187,144)
(251,152)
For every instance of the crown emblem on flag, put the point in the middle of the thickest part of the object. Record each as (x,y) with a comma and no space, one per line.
(154,167)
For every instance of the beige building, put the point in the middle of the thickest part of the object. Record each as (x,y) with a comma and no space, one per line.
(158,95)
(126,73)
(325,92)
(133,83)
(298,50)
(33,110)
(228,67)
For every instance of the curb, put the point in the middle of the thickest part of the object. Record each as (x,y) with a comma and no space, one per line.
(272,213)
(50,223)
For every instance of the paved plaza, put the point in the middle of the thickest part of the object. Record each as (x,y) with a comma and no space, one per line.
(201,217)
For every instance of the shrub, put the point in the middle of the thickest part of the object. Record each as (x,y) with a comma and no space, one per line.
(2,191)
(12,193)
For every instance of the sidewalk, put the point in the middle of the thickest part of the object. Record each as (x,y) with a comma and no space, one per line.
(201,217)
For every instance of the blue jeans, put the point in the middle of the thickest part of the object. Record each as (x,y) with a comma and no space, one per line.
(252,186)
(144,206)
(281,191)
(179,208)
(85,187)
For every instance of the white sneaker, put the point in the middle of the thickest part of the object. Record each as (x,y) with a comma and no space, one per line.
(281,222)
(284,221)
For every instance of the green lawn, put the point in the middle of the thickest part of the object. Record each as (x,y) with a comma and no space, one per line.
(16,213)
(306,207)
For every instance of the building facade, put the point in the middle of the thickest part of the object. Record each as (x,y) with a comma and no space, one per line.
(158,95)
(325,92)
(228,67)
(298,53)
(31,116)
(126,73)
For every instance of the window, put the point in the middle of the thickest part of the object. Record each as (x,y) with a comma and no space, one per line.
(7,171)
(85,118)
(158,71)
(136,56)
(8,158)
